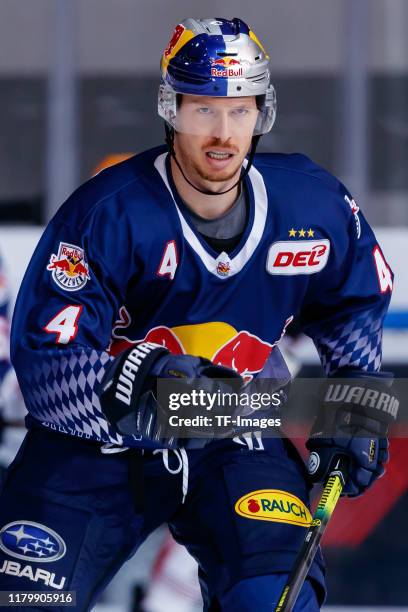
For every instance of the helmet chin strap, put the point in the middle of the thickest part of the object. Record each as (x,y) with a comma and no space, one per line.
(170,144)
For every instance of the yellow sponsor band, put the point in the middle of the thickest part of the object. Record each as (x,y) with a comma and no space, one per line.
(274,505)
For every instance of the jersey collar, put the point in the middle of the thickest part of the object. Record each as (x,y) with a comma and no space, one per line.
(224,266)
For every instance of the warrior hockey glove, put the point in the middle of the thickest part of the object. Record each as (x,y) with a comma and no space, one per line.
(353,421)
(129,392)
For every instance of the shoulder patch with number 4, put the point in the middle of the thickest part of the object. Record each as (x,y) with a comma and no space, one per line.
(69,268)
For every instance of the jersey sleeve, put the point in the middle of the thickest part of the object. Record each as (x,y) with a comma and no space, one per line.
(5,367)
(68,300)
(4,324)
(346,303)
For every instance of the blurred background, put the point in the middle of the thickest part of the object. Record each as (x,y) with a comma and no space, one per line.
(78,85)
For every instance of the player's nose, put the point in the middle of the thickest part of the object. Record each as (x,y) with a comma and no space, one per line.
(222,127)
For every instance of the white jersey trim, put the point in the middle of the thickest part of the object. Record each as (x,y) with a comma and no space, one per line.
(242,257)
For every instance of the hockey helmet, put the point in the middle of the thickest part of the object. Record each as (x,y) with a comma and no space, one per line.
(216,57)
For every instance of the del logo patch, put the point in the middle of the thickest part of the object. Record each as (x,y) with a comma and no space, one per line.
(274,505)
(69,268)
(298,257)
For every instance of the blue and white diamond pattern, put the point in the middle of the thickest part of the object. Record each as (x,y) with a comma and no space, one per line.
(353,343)
(61,390)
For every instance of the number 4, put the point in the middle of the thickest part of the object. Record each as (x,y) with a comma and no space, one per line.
(383,271)
(64,324)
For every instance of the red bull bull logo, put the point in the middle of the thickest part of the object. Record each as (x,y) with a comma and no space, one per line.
(226,67)
(68,268)
(218,341)
(244,353)
(179,38)
(223,268)
(178,31)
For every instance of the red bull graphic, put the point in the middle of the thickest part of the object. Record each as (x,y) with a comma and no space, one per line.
(166,337)
(244,353)
(159,335)
(223,268)
(68,268)
(218,341)
(179,38)
(226,67)
(226,61)
(178,31)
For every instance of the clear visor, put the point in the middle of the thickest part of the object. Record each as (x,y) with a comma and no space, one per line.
(219,117)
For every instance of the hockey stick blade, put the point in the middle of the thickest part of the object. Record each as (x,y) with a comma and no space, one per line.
(331,493)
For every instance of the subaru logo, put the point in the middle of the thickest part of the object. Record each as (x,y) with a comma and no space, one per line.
(31,542)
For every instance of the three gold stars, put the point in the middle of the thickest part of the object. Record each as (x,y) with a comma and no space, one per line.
(302,233)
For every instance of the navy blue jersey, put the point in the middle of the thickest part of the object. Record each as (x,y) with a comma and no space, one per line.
(4,324)
(121,262)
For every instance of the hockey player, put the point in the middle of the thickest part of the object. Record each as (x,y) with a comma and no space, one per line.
(179,257)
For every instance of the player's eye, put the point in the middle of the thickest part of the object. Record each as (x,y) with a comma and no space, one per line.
(241,111)
(204,110)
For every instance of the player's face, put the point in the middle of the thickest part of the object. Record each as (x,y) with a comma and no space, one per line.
(213,135)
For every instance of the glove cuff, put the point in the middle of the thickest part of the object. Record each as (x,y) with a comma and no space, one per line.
(367,394)
(124,382)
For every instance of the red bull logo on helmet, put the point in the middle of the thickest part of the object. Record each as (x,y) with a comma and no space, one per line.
(226,67)
(178,31)
(180,37)
(68,267)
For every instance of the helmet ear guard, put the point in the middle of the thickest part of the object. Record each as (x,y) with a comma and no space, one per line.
(167,104)
(267,112)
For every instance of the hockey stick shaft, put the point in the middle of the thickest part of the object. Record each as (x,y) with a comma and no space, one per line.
(306,554)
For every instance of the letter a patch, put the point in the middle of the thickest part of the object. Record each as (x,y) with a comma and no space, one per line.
(169,260)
